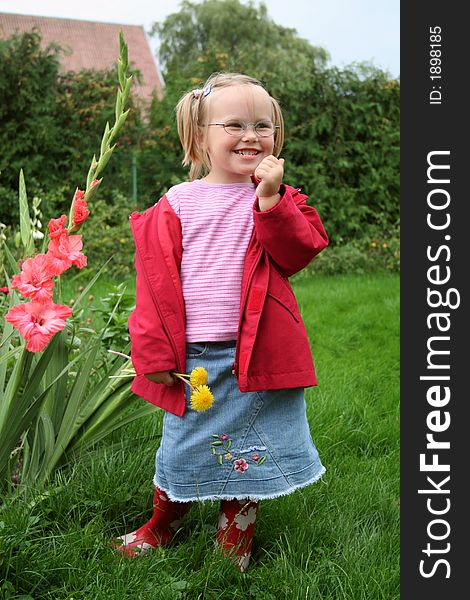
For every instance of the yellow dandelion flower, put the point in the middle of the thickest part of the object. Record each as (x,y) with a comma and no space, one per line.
(199,376)
(201,398)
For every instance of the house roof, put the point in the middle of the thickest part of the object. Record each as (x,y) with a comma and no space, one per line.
(91,45)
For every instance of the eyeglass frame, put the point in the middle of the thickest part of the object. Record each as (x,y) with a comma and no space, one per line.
(245,128)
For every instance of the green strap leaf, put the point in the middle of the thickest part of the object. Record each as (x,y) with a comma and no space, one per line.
(54,405)
(11,260)
(5,356)
(67,428)
(112,422)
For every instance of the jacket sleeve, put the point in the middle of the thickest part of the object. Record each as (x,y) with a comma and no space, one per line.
(151,350)
(291,232)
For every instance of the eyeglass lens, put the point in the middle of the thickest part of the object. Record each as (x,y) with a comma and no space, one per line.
(262,128)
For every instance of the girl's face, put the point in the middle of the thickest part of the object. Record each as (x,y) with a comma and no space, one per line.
(235,158)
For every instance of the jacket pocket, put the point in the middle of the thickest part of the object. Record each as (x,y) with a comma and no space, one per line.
(280,291)
(294,311)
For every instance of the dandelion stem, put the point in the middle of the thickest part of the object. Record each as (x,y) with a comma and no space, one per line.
(183,379)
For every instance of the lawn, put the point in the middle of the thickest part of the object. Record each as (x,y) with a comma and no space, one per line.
(338,539)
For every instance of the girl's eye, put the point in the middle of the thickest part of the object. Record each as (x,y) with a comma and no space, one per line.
(264,127)
(234,126)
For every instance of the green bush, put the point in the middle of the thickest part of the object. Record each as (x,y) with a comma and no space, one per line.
(117,333)
(374,252)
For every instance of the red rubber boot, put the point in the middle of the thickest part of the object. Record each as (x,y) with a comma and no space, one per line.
(158,531)
(237,522)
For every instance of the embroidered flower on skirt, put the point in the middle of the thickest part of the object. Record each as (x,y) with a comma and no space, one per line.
(240,465)
(221,449)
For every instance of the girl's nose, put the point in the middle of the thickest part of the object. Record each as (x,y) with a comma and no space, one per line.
(249,133)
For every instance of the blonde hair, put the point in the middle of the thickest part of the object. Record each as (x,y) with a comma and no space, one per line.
(191,112)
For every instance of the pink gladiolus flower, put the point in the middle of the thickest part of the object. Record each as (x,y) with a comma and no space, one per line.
(56,227)
(65,252)
(79,195)
(4,290)
(80,211)
(35,280)
(38,322)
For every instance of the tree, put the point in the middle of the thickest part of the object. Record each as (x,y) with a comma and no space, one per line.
(28,88)
(226,35)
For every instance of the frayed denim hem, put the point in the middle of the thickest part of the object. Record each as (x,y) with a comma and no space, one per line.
(253,497)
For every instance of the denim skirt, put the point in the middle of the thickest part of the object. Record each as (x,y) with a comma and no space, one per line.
(252,445)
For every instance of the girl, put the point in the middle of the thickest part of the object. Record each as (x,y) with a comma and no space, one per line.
(213,258)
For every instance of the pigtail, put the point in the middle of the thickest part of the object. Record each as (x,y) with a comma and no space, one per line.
(187,121)
(278,120)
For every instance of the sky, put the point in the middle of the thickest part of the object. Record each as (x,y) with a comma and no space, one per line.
(350,30)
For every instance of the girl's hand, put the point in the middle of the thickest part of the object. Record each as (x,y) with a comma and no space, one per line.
(161,377)
(270,172)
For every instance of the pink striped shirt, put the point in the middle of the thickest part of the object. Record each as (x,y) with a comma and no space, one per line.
(216,222)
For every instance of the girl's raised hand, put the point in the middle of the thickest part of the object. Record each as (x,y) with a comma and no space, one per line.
(270,172)
(161,377)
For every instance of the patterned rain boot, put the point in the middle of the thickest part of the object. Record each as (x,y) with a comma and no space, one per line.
(161,528)
(237,522)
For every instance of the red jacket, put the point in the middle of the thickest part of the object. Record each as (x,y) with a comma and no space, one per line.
(273,350)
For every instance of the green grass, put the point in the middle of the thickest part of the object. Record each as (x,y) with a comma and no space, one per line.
(338,539)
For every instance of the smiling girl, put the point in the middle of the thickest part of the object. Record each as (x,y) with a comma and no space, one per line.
(213,258)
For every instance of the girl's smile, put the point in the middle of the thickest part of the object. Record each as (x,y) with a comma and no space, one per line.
(247,153)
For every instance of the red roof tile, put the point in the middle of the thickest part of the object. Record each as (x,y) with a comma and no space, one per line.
(91,45)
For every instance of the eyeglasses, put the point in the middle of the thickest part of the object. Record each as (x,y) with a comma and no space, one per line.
(237,128)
